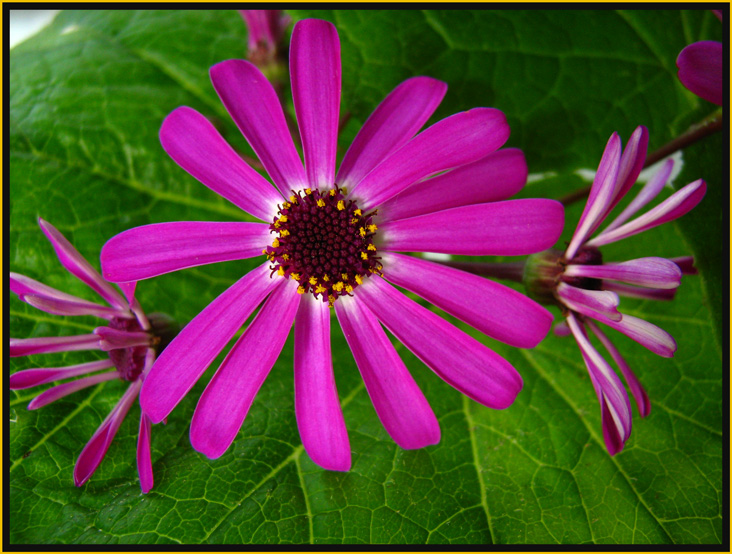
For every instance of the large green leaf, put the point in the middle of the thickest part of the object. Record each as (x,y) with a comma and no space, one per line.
(87,96)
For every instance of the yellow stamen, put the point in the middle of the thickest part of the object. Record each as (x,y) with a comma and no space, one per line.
(282,219)
(354,221)
(320,202)
(300,290)
(276,243)
(373,228)
(308,191)
(332,192)
(349,288)
(362,231)
(320,289)
(280,271)
(286,205)
(364,256)
(293,199)
(359,279)
(326,278)
(285,257)
(357,212)
(264,251)
(295,276)
(284,233)
(313,281)
(344,276)
(371,247)
(338,287)
(331,299)
(341,206)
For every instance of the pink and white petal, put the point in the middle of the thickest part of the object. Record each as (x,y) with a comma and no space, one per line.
(315,75)
(456,140)
(646,334)
(402,408)
(39,376)
(601,195)
(226,401)
(497,176)
(56,306)
(494,309)
(65,389)
(196,146)
(186,358)
(639,394)
(592,303)
(457,358)
(701,70)
(253,104)
(144,459)
(47,345)
(97,447)
(508,228)
(686,265)
(391,125)
(111,339)
(631,164)
(647,272)
(151,250)
(75,263)
(647,193)
(317,409)
(672,208)
(639,292)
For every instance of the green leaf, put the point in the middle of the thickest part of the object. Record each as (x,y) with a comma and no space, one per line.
(87,97)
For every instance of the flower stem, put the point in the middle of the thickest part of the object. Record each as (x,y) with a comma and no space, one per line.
(708,126)
(513,271)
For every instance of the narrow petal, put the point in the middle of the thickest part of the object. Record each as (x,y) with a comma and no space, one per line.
(46,345)
(592,303)
(631,164)
(639,292)
(497,176)
(639,394)
(186,358)
(226,401)
(75,263)
(672,208)
(111,339)
(402,408)
(494,309)
(700,70)
(65,389)
(254,106)
(457,358)
(144,459)
(399,116)
(196,146)
(259,28)
(509,228)
(97,447)
(686,265)
(315,74)
(646,334)
(318,411)
(151,250)
(646,272)
(647,193)
(456,140)
(601,195)
(39,376)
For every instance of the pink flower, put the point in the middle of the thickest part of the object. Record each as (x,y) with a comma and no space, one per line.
(128,338)
(335,243)
(700,68)
(587,288)
(266,29)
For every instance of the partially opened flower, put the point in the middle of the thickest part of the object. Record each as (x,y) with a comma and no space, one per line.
(266,29)
(331,240)
(129,339)
(587,288)
(701,68)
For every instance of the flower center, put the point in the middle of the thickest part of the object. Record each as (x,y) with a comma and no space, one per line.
(129,361)
(586,256)
(324,242)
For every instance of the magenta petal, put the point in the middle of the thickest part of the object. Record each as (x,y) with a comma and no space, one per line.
(601,195)
(79,267)
(402,408)
(195,145)
(686,265)
(97,447)
(700,70)
(494,309)
(318,411)
(646,334)
(65,389)
(46,345)
(639,292)
(497,176)
(151,250)
(315,74)
(631,164)
(592,303)
(672,208)
(509,228)
(399,116)
(186,358)
(254,106)
(647,272)
(38,376)
(456,140)
(111,339)
(225,402)
(144,460)
(457,358)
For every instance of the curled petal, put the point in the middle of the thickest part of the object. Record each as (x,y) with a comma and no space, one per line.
(647,272)
(40,376)
(592,303)
(59,391)
(46,345)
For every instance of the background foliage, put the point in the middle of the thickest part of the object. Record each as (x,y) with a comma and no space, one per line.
(87,96)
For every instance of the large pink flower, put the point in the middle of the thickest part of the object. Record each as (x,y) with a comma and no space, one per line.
(335,243)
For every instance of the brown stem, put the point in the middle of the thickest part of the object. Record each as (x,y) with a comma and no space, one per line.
(698,131)
(513,271)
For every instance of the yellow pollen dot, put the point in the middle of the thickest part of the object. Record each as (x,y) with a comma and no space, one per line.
(332,192)
(285,257)
(319,289)
(277,224)
(280,271)
(349,288)
(293,199)
(362,231)
(341,206)
(359,279)
(300,290)
(371,247)
(264,251)
(276,243)
(284,233)
(313,281)
(373,228)
(364,256)
(331,299)
(326,278)
(338,287)
(344,276)
(354,221)
(286,205)
(308,191)
(320,203)
(357,212)
(295,276)
(283,219)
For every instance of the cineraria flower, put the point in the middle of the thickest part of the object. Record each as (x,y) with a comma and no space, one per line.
(129,339)
(700,68)
(587,288)
(266,29)
(334,245)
